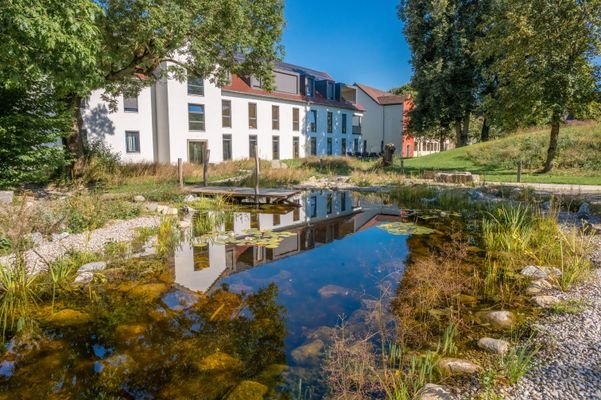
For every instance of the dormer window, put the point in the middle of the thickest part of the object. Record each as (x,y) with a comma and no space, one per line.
(330,91)
(309,87)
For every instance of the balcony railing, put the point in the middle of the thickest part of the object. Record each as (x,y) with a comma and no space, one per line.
(356,129)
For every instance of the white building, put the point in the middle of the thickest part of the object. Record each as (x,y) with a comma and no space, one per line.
(308,113)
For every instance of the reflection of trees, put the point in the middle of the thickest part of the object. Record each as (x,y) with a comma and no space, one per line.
(201,352)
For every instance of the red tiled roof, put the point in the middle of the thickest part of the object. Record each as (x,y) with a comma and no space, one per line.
(238,85)
(381,97)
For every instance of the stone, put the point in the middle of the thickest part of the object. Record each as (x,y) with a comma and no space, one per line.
(497,319)
(6,196)
(539,272)
(185,224)
(456,177)
(83,278)
(497,346)
(93,266)
(308,354)
(128,332)
(545,301)
(277,164)
(170,211)
(271,374)
(56,237)
(456,367)
(538,286)
(148,292)
(139,199)
(324,333)
(219,361)
(328,291)
(584,211)
(36,238)
(431,391)
(248,390)
(69,317)
(151,207)
(189,198)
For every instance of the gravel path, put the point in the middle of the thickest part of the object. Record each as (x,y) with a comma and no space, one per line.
(118,231)
(569,365)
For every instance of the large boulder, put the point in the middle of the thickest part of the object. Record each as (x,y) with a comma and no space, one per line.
(456,367)
(431,391)
(497,346)
(500,320)
(308,354)
(6,196)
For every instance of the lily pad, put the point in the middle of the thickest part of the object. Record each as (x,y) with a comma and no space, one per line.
(405,228)
(252,237)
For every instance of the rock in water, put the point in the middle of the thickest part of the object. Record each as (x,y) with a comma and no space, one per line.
(545,301)
(328,291)
(69,317)
(497,346)
(308,354)
(248,390)
(456,367)
(497,319)
(431,391)
(219,362)
(584,211)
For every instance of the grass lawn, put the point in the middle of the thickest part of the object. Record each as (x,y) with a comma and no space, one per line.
(578,160)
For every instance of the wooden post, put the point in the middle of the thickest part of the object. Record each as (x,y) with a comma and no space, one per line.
(320,164)
(402,165)
(205,167)
(519,171)
(256,150)
(180,172)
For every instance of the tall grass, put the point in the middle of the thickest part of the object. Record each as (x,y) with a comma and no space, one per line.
(17,296)
(518,362)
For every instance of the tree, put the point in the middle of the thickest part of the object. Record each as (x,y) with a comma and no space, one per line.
(543,60)
(446,72)
(123,45)
(31,123)
(405,90)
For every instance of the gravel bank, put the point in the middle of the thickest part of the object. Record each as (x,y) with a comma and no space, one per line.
(118,231)
(569,365)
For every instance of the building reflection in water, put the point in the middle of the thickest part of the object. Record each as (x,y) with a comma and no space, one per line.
(320,218)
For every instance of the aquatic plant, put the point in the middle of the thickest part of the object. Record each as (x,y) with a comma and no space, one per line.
(211,222)
(518,361)
(574,263)
(252,237)
(168,236)
(508,228)
(447,342)
(405,228)
(17,296)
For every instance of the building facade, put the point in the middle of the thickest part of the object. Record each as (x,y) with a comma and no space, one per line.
(307,113)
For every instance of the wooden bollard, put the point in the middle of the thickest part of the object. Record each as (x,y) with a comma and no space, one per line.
(205,167)
(180,172)
(256,150)
(519,177)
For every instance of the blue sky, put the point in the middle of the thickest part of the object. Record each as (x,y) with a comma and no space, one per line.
(352,40)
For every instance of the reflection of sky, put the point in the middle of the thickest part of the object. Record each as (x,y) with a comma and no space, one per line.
(358,262)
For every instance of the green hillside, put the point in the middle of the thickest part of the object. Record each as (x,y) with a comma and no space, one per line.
(578,160)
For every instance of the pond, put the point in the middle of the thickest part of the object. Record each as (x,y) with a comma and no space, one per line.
(233,314)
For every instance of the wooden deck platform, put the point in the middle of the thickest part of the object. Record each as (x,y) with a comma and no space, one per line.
(243,193)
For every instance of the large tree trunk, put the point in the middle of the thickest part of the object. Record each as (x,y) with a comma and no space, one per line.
(466,129)
(74,142)
(485,133)
(552,150)
(458,133)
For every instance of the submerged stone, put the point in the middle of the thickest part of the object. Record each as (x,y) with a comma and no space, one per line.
(456,367)
(497,319)
(248,390)
(497,346)
(219,362)
(431,391)
(308,354)
(271,374)
(69,317)
(148,292)
(127,332)
(328,291)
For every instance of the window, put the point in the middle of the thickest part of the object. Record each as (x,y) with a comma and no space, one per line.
(313,206)
(130,104)
(309,83)
(275,144)
(365,146)
(330,121)
(196,117)
(295,119)
(343,123)
(296,214)
(226,113)
(276,219)
(252,143)
(330,91)
(275,118)
(356,146)
(313,121)
(295,147)
(343,147)
(227,147)
(132,141)
(329,203)
(342,201)
(313,146)
(196,151)
(329,146)
(252,115)
(196,86)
